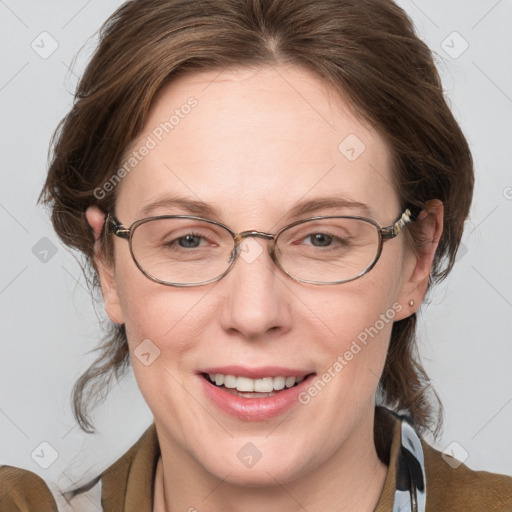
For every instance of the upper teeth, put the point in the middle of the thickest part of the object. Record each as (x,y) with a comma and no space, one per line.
(245,384)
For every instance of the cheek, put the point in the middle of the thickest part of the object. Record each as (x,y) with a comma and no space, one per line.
(347,310)
(357,319)
(164,328)
(172,318)
(152,310)
(360,326)
(163,324)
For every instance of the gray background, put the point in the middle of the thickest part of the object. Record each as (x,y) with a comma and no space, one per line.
(48,321)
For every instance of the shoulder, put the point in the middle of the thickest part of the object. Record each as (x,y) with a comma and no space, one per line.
(128,480)
(131,478)
(24,491)
(452,486)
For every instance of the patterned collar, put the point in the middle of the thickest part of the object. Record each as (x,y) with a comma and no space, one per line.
(411,486)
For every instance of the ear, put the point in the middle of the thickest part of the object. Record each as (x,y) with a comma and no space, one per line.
(96,218)
(418,262)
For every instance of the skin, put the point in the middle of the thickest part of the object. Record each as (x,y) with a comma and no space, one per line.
(260,141)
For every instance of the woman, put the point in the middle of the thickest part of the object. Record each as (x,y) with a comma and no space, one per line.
(264,191)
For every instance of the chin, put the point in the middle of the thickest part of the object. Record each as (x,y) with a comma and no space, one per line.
(264,476)
(245,464)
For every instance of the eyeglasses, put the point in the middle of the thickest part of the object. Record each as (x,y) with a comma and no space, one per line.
(184,250)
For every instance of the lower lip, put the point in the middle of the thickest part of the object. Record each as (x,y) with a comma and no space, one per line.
(254,409)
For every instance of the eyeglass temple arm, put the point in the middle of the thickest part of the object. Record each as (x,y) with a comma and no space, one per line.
(392,231)
(112,225)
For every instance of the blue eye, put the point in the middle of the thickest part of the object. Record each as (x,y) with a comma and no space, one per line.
(320,239)
(189,241)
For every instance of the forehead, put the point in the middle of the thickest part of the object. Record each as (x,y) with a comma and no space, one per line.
(255,140)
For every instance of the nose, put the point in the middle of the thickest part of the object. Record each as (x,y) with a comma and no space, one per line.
(258,299)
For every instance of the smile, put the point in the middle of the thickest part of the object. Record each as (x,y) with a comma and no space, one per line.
(248,385)
(258,397)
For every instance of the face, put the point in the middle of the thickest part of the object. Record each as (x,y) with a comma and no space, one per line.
(256,145)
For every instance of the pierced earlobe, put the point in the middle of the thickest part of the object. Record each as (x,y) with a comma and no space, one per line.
(411,303)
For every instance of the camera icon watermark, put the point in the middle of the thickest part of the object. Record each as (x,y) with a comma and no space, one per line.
(454,454)
(44,45)
(351,147)
(461,251)
(249,455)
(454,45)
(44,250)
(250,250)
(146,352)
(44,455)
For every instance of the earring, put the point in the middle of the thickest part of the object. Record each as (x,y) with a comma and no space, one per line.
(411,303)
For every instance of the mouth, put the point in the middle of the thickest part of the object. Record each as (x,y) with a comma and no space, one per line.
(254,399)
(253,388)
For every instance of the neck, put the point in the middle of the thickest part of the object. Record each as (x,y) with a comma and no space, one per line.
(351,480)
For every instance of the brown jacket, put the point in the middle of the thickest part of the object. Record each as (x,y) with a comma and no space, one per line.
(127,485)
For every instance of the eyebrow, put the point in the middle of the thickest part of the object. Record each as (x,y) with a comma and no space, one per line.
(192,206)
(328,203)
(202,209)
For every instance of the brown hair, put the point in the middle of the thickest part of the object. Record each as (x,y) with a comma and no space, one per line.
(366,49)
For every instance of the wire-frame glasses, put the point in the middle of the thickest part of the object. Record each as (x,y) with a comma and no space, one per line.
(185,250)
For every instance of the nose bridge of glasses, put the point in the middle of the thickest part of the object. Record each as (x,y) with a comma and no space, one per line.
(250,253)
(257,234)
